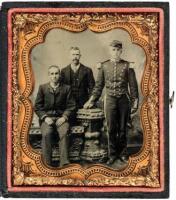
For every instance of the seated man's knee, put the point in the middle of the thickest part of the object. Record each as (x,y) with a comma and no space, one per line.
(63,130)
(46,130)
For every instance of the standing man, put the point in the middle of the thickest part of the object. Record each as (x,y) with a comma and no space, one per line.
(79,77)
(54,105)
(121,98)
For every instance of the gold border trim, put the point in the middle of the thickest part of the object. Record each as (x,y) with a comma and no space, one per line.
(143,29)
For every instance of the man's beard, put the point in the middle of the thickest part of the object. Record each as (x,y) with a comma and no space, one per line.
(75,61)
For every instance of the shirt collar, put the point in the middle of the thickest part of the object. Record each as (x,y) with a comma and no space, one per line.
(54,86)
(75,67)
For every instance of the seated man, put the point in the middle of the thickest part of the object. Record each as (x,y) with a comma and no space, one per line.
(54,105)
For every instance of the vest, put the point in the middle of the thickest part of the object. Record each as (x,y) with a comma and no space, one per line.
(75,84)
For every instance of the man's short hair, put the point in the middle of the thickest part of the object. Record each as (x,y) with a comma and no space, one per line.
(75,48)
(54,66)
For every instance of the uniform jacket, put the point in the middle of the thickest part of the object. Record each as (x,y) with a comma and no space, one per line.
(86,81)
(118,79)
(54,104)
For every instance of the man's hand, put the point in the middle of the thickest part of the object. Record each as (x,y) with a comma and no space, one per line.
(88,105)
(133,110)
(134,107)
(49,120)
(60,121)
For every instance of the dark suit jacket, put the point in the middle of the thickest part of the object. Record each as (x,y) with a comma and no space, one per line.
(54,104)
(86,81)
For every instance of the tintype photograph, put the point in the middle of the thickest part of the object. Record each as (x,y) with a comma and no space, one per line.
(97,126)
(85,99)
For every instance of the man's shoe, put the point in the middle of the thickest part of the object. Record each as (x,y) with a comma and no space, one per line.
(124,158)
(110,161)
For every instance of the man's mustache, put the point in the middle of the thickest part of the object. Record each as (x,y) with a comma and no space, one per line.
(75,59)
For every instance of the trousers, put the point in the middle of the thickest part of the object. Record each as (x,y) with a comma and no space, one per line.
(47,136)
(117,112)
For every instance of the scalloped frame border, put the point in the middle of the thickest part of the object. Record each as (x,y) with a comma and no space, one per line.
(40,38)
(161,61)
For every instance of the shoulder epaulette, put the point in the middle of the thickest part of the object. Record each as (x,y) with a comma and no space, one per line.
(105,61)
(100,64)
(131,65)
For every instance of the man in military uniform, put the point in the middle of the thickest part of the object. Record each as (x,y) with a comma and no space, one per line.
(121,98)
(54,105)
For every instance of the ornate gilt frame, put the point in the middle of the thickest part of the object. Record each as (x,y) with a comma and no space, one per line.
(29,28)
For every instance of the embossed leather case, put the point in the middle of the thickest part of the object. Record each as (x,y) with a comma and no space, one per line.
(35,35)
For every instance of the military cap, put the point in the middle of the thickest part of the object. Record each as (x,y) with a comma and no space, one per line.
(116,43)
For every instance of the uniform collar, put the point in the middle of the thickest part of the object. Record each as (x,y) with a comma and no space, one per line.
(114,60)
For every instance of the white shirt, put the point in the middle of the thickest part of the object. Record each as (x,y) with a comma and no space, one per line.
(54,87)
(75,68)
